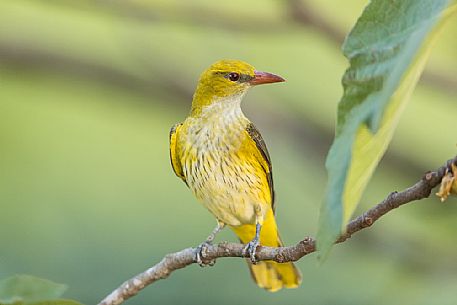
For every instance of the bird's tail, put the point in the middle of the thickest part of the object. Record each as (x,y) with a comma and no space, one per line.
(268,274)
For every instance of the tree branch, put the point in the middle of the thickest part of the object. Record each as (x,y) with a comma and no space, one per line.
(183,258)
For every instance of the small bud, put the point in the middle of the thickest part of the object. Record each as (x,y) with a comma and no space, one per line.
(428,176)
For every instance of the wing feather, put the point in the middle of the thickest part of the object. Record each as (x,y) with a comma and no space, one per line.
(255,135)
(175,162)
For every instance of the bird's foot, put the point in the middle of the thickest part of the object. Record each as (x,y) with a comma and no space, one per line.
(251,248)
(200,254)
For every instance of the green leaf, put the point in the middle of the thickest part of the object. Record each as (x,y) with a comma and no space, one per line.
(21,289)
(387,50)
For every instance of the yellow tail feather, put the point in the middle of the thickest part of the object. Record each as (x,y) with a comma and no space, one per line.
(268,274)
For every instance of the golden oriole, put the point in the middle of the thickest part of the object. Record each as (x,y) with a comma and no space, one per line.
(222,158)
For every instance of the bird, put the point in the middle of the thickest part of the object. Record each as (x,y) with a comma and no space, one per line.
(221,156)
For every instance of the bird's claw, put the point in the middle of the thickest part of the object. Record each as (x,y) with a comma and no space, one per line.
(201,253)
(251,248)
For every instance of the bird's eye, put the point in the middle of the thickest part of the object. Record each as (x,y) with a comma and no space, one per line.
(233,76)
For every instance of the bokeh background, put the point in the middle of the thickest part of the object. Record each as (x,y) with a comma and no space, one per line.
(88,93)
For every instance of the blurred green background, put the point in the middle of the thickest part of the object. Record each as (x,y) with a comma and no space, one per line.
(88,93)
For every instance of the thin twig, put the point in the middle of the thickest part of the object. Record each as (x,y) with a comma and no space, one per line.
(183,258)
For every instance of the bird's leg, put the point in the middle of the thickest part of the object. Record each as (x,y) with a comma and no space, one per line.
(201,249)
(252,245)
(220,225)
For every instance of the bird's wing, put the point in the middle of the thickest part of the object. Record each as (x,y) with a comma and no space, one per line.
(255,136)
(175,163)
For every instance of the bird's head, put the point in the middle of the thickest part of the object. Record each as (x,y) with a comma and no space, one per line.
(228,78)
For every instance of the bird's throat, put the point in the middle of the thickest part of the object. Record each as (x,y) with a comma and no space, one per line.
(221,121)
(204,104)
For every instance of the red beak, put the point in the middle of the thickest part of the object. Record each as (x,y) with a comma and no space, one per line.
(265,78)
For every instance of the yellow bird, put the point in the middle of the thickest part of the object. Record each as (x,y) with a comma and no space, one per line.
(222,158)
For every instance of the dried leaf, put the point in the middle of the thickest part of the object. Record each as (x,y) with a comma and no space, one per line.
(448,184)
